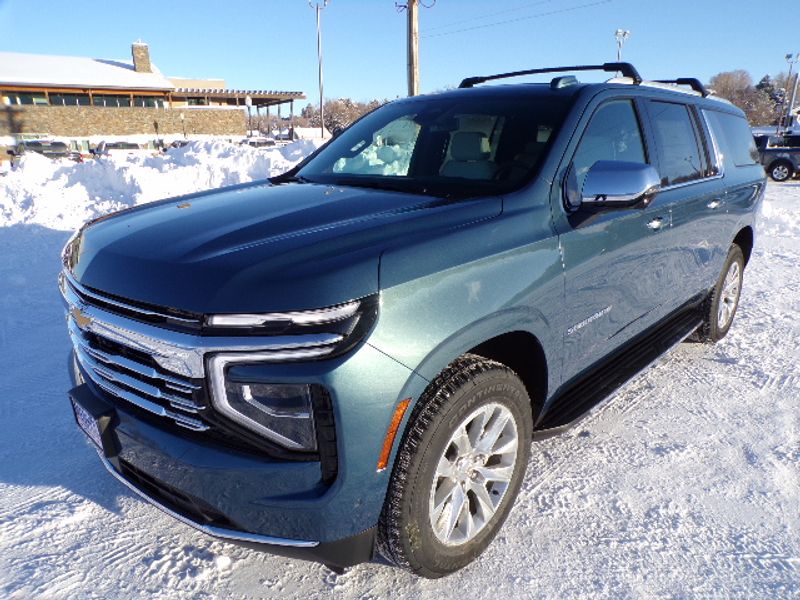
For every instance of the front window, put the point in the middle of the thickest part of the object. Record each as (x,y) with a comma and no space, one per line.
(443,146)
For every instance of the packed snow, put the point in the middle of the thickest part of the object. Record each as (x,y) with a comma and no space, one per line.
(685,485)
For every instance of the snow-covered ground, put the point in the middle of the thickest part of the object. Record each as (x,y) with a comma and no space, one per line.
(686,485)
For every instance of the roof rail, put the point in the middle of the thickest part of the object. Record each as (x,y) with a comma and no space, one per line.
(692,82)
(627,70)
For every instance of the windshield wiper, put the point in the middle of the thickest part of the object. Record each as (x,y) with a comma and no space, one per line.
(289,179)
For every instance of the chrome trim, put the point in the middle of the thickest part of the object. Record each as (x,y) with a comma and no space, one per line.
(184,353)
(108,382)
(81,290)
(219,398)
(219,532)
(138,368)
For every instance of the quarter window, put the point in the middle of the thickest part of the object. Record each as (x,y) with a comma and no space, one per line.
(680,157)
(734,136)
(612,134)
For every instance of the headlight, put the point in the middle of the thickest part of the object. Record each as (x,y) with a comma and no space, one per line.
(283,413)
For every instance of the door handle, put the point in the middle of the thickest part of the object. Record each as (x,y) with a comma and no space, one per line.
(656,224)
(715,204)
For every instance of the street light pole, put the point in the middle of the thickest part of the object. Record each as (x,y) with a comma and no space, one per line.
(792,62)
(621,35)
(318,8)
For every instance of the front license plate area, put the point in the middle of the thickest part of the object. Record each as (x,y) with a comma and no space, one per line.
(87,423)
(96,418)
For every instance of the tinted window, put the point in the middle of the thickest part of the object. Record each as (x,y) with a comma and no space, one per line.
(733,135)
(612,134)
(680,157)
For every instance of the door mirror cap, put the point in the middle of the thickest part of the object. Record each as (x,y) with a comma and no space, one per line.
(619,183)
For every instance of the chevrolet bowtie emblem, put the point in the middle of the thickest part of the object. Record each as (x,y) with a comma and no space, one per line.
(81,320)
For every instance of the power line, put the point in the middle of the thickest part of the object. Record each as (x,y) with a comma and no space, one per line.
(536,16)
(492,14)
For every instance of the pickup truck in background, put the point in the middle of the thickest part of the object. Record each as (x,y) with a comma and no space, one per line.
(780,155)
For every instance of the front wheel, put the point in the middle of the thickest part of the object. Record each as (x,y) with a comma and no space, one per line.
(458,469)
(720,308)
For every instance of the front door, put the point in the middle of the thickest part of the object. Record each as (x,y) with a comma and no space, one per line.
(617,261)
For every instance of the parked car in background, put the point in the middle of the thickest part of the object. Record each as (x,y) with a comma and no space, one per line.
(121,149)
(48,148)
(780,155)
(258,142)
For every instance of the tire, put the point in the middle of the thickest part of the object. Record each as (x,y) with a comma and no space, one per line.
(720,307)
(780,171)
(435,468)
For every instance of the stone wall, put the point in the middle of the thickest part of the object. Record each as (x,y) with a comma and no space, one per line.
(85,121)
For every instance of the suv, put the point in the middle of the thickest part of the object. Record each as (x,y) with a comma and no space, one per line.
(121,149)
(780,155)
(354,357)
(47,148)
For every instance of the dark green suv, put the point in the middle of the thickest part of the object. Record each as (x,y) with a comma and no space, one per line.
(354,358)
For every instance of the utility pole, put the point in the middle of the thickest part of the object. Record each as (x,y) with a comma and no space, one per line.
(621,35)
(413,47)
(318,7)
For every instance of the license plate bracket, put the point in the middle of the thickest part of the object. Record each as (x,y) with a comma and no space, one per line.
(95,418)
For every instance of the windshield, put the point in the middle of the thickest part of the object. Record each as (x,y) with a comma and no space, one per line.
(443,146)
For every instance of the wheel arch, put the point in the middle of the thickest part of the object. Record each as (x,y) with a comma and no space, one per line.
(744,239)
(522,352)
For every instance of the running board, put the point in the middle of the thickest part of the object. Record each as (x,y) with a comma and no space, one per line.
(605,380)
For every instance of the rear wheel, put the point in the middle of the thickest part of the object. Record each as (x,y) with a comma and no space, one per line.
(458,469)
(721,305)
(780,171)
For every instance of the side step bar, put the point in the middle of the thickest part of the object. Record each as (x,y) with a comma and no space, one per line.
(588,393)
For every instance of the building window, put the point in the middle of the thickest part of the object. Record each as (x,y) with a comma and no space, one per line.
(28,98)
(196,101)
(69,99)
(148,102)
(111,100)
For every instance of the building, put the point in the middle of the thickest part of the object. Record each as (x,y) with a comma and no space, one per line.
(82,98)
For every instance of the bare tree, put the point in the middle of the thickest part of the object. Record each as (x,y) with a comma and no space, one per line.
(757,102)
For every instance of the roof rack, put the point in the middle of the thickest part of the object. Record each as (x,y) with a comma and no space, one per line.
(692,82)
(627,70)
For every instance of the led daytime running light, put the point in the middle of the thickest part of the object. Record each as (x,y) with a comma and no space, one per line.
(310,317)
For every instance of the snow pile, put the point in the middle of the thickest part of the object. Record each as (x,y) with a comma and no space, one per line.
(62,194)
(780,217)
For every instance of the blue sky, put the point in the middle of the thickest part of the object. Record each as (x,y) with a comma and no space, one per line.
(271,44)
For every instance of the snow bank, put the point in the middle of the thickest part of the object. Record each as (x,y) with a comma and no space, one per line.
(62,194)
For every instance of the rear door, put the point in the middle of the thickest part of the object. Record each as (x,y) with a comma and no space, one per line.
(692,188)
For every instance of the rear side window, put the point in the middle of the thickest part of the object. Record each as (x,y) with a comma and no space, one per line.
(734,135)
(680,156)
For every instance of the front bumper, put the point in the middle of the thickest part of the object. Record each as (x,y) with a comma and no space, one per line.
(275,505)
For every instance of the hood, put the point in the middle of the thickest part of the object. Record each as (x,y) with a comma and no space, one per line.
(260,247)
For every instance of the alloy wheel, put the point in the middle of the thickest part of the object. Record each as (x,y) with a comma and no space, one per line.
(473,474)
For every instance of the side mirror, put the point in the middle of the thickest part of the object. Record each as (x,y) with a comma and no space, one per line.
(619,183)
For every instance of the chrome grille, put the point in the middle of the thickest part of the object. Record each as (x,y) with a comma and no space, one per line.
(164,394)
